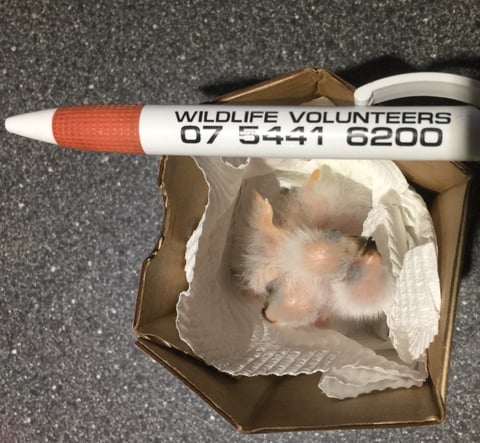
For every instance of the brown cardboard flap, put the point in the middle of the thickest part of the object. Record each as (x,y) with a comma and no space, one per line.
(449,213)
(436,176)
(295,88)
(270,403)
(184,195)
(163,331)
(229,396)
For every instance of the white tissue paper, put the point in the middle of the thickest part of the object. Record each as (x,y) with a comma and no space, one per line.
(225,327)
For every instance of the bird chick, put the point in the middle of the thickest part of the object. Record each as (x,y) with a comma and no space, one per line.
(309,264)
(327,200)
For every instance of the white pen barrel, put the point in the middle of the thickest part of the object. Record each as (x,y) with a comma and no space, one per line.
(398,133)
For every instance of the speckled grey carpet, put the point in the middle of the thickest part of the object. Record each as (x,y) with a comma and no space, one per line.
(75,226)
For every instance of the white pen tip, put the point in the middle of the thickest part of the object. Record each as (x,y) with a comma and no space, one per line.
(35,125)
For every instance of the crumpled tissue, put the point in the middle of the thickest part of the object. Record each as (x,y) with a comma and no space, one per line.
(225,328)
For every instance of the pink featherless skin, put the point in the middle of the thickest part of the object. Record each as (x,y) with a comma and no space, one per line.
(306,259)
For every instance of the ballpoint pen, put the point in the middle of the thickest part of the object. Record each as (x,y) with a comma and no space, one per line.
(359,132)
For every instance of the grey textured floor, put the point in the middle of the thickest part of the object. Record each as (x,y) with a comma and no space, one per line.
(75,226)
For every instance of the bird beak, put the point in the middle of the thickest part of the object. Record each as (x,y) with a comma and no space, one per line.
(370,246)
(264,314)
(366,245)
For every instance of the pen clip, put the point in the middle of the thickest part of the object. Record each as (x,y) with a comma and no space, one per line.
(419,84)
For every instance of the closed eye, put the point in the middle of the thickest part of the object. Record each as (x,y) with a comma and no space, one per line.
(269,288)
(354,273)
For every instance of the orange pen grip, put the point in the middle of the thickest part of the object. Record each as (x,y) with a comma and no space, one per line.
(107,128)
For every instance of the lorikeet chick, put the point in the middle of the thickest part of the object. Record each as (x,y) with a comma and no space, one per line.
(307,260)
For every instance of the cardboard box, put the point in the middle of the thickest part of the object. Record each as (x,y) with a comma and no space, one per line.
(271,403)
